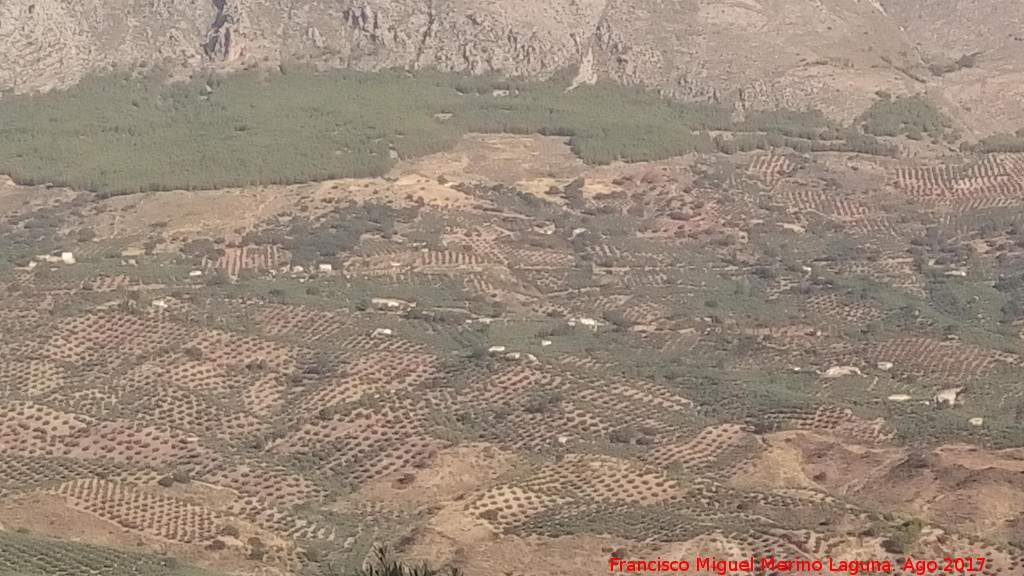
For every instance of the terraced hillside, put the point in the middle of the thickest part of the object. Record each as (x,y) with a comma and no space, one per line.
(502,359)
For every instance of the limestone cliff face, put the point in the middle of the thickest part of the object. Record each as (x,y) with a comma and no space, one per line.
(52,43)
(48,44)
(832,54)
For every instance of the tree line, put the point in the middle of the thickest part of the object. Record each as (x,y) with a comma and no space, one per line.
(115,135)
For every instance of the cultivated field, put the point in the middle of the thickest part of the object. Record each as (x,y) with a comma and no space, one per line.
(522,366)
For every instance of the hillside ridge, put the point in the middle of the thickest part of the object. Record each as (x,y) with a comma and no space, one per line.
(831,55)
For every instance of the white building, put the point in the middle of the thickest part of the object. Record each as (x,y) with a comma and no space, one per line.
(949,396)
(391,304)
(840,371)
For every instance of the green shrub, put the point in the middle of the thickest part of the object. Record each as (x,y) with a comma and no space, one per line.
(903,538)
(809,125)
(1004,143)
(905,115)
(385,565)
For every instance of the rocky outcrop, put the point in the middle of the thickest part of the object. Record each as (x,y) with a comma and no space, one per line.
(48,44)
(832,54)
(220,44)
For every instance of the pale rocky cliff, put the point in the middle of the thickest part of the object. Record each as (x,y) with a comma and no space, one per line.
(832,54)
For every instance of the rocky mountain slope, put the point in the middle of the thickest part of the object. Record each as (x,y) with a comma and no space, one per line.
(831,54)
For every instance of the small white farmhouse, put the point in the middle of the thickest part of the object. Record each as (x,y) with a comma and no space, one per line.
(948,396)
(840,371)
